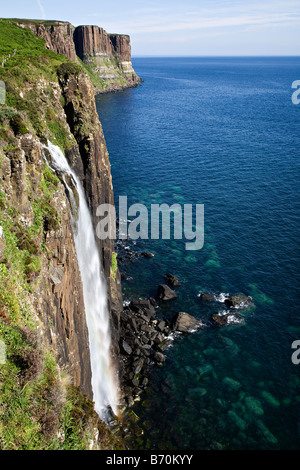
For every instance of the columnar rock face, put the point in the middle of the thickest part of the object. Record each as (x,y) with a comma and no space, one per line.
(92,41)
(58,297)
(90,160)
(57,34)
(122,47)
(109,55)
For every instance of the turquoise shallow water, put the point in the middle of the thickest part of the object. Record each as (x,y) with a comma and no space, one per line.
(224,133)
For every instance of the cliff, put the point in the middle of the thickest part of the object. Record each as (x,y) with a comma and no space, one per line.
(107,57)
(45,385)
(57,34)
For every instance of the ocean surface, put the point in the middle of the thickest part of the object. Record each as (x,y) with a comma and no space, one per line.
(222,132)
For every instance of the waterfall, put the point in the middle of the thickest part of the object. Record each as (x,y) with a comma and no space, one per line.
(104,383)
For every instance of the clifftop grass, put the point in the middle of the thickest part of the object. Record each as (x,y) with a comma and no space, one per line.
(25,56)
(30,73)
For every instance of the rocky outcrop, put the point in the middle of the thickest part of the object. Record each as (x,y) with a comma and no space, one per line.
(144,341)
(92,41)
(185,323)
(227,318)
(57,34)
(164,293)
(108,55)
(238,301)
(172,280)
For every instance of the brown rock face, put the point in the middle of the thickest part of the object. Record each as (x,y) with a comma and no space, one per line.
(109,55)
(91,40)
(90,161)
(122,47)
(58,297)
(58,36)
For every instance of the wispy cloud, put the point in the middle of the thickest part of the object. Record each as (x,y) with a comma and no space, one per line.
(214,15)
(176,24)
(41,9)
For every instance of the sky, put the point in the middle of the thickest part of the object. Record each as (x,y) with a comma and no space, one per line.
(181,27)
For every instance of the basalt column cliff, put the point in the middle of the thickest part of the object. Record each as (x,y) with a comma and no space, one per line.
(107,57)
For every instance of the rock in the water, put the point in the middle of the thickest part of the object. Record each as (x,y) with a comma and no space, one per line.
(238,301)
(226,318)
(231,383)
(172,280)
(159,357)
(164,292)
(254,406)
(147,254)
(185,323)
(207,297)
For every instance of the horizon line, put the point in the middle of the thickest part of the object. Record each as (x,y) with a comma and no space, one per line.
(210,56)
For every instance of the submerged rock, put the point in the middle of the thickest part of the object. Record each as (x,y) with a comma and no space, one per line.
(195,393)
(172,280)
(254,406)
(231,383)
(266,433)
(185,323)
(237,420)
(270,399)
(164,292)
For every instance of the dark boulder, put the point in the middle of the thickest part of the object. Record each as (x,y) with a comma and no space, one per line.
(153,302)
(161,325)
(147,254)
(159,357)
(126,348)
(164,292)
(143,307)
(185,323)
(172,280)
(238,301)
(206,297)
(226,318)
(137,366)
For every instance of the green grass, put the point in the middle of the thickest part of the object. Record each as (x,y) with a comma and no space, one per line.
(114,265)
(28,75)
(98,83)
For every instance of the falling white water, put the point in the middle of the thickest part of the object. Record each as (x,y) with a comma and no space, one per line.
(104,383)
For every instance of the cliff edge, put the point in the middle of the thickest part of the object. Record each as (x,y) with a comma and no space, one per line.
(45,375)
(106,57)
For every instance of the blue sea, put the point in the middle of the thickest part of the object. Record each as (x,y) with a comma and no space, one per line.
(222,132)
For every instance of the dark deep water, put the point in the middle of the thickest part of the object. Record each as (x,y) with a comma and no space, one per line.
(222,132)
